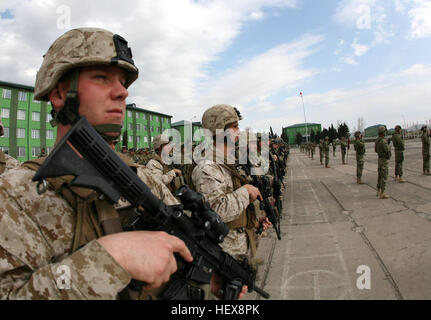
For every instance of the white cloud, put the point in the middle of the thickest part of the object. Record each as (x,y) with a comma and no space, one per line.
(383,99)
(359,49)
(420,20)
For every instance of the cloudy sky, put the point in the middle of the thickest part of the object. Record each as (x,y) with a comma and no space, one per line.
(350,58)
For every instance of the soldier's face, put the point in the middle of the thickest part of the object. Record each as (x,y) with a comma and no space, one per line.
(233,131)
(102,95)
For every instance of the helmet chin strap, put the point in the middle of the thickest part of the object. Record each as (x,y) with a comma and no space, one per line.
(69,114)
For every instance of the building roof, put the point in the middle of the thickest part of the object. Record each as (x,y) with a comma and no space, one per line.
(181,123)
(375,126)
(300,125)
(16,85)
(134,107)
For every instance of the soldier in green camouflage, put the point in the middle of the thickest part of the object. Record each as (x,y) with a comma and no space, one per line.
(359,146)
(425,151)
(382,148)
(326,151)
(398,142)
(321,151)
(343,147)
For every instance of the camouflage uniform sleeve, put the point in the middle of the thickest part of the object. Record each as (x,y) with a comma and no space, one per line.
(210,180)
(158,188)
(157,171)
(89,273)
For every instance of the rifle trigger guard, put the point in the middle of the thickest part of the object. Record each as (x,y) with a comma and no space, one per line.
(44,188)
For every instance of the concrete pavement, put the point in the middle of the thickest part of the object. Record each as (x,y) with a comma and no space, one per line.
(339,241)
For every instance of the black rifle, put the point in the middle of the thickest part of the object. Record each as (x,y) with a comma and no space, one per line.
(264,186)
(262,183)
(276,186)
(83,153)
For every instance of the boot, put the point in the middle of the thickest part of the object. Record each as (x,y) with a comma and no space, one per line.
(327,166)
(427,173)
(378,193)
(360,181)
(401,180)
(396,179)
(383,195)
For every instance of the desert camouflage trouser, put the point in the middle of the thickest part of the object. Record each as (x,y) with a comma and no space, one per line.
(359,166)
(321,157)
(382,176)
(426,157)
(399,158)
(326,158)
(343,155)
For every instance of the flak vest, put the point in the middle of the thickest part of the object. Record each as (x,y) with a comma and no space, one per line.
(177,182)
(247,219)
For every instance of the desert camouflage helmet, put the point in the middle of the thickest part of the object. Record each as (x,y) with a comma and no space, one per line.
(160,140)
(219,116)
(382,129)
(424,128)
(397,127)
(357,133)
(79,48)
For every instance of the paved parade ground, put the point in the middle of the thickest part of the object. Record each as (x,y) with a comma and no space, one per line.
(339,241)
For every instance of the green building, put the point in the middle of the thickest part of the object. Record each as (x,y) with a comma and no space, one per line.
(187,130)
(373,131)
(302,128)
(26,122)
(28,130)
(142,126)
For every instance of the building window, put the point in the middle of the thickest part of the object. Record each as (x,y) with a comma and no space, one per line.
(21,114)
(6,94)
(20,133)
(146,139)
(5,113)
(130,126)
(6,132)
(35,151)
(138,139)
(145,128)
(130,139)
(21,151)
(35,133)
(22,96)
(129,113)
(50,134)
(35,116)
(48,117)
(151,128)
(157,129)
(138,127)
(5,149)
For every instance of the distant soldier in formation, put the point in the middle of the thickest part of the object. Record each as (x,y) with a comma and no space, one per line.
(321,151)
(160,170)
(326,150)
(359,146)
(398,142)
(6,161)
(426,151)
(334,145)
(343,147)
(383,151)
(42,153)
(313,149)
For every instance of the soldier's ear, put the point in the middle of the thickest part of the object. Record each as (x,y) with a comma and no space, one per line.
(58,95)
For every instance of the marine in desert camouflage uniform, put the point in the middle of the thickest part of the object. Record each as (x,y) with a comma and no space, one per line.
(221,185)
(63,243)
